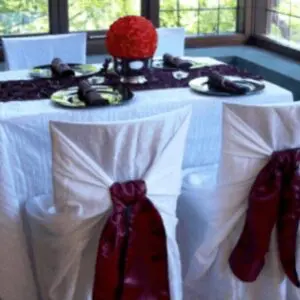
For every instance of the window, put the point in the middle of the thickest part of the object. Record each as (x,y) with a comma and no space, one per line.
(95,15)
(24,17)
(283,21)
(200,17)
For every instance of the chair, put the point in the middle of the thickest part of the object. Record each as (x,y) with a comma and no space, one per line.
(28,52)
(113,186)
(242,254)
(196,187)
(170,40)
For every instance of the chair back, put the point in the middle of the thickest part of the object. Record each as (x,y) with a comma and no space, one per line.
(255,155)
(28,52)
(97,170)
(170,40)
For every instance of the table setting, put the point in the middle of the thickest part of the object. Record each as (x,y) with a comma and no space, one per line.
(219,79)
(134,67)
(130,84)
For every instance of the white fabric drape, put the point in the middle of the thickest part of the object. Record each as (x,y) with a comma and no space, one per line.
(250,135)
(87,159)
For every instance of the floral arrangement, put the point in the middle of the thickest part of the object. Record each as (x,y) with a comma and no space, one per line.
(131,37)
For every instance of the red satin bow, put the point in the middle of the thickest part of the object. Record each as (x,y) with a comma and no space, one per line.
(132,261)
(274,199)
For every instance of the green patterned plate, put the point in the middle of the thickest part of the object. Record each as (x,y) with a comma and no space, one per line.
(69,98)
(79,69)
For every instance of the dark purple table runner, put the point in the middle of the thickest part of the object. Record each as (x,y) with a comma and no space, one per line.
(35,89)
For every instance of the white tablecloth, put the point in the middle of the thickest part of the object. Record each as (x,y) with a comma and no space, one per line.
(25,157)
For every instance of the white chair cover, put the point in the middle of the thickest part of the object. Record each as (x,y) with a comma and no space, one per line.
(87,159)
(27,52)
(250,135)
(170,40)
(196,189)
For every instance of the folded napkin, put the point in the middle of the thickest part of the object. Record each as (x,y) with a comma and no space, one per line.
(176,62)
(92,97)
(60,69)
(89,95)
(219,82)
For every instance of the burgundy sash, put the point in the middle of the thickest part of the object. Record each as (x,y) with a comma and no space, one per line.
(132,262)
(274,199)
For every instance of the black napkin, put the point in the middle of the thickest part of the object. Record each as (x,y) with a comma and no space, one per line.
(89,94)
(176,62)
(91,97)
(219,82)
(60,69)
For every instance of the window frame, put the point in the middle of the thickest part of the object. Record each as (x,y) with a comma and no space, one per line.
(259,35)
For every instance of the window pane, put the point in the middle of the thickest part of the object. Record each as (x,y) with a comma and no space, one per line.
(200,17)
(280,25)
(281,6)
(208,22)
(189,20)
(169,19)
(295,30)
(209,3)
(168,4)
(295,5)
(283,21)
(227,21)
(188,4)
(228,3)
(23,17)
(90,15)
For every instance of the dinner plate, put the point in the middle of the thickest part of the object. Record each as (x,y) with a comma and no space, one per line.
(159,64)
(69,97)
(45,71)
(200,85)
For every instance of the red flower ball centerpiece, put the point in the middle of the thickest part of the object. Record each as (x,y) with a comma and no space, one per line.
(132,41)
